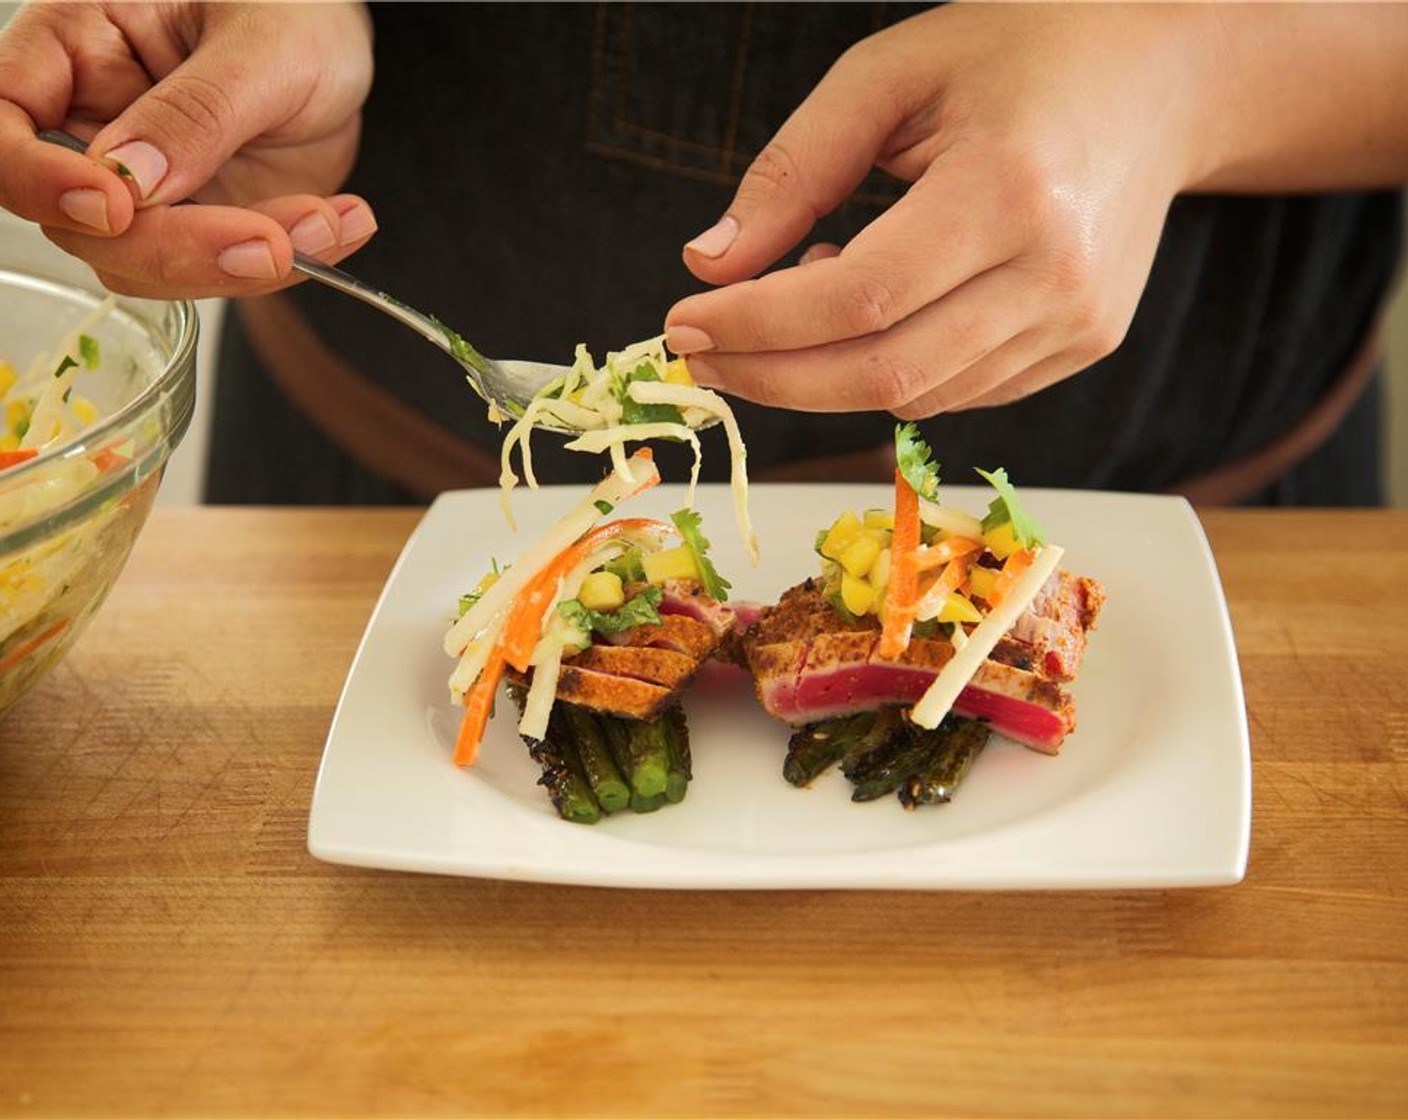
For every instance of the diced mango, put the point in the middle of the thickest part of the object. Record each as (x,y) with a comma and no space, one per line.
(602,591)
(670,563)
(859,556)
(958,609)
(84,410)
(879,519)
(8,377)
(843,530)
(677,373)
(16,413)
(880,574)
(1001,541)
(856,594)
(981,581)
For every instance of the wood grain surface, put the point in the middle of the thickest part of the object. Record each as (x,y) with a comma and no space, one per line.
(168,947)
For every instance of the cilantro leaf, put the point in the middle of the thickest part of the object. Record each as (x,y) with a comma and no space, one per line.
(88,349)
(639,610)
(687,522)
(461,350)
(915,461)
(603,507)
(627,567)
(1008,507)
(576,616)
(633,412)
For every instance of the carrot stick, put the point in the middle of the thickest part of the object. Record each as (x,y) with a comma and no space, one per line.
(935,556)
(478,706)
(524,626)
(15,656)
(901,598)
(15,458)
(949,581)
(1012,570)
(107,459)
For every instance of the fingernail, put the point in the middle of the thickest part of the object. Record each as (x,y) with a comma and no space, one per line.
(249,260)
(87,207)
(312,234)
(687,340)
(140,162)
(704,374)
(715,240)
(356,224)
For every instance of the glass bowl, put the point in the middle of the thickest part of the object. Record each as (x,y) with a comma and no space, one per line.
(69,517)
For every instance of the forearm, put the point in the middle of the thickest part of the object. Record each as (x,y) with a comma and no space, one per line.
(1300,97)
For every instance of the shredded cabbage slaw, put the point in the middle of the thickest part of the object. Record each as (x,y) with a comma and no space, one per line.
(40,410)
(514,622)
(638,394)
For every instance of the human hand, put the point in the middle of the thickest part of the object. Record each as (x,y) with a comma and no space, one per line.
(252,108)
(1044,144)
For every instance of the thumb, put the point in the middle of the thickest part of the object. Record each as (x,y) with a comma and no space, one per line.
(174,138)
(821,154)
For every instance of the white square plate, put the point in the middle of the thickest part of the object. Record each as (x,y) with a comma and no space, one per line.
(1153,789)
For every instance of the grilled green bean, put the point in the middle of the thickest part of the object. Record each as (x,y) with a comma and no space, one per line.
(598,764)
(681,760)
(818,746)
(650,757)
(958,743)
(564,777)
(885,768)
(649,804)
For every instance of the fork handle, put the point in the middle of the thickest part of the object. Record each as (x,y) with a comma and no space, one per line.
(432,330)
(424,325)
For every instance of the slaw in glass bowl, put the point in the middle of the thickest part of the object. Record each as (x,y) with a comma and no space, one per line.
(70,514)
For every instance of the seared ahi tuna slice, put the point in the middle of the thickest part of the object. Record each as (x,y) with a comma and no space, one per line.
(609,694)
(810,664)
(666,667)
(674,631)
(1016,702)
(637,673)
(1020,705)
(728,621)
(1050,635)
(687,597)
